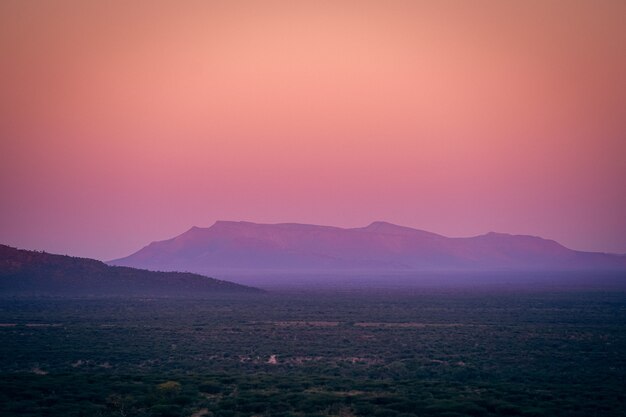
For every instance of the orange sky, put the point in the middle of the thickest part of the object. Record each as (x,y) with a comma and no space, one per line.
(123,122)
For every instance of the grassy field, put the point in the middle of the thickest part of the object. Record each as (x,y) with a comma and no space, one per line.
(428,353)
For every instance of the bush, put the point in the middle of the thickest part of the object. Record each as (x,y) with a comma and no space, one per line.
(210,387)
(166,411)
(169,388)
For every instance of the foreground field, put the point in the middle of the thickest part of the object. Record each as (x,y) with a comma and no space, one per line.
(314,354)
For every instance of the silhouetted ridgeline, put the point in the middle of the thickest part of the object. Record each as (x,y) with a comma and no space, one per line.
(25,272)
(249,252)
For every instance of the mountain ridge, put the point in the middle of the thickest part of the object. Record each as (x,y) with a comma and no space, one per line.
(232,245)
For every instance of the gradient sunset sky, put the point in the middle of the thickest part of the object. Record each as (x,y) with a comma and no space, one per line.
(124,122)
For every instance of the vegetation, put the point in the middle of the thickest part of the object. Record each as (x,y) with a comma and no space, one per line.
(359,354)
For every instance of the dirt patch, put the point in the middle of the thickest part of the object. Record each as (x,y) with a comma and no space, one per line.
(39,371)
(363,360)
(305,323)
(410,324)
(299,360)
(201,412)
(385,324)
(351,393)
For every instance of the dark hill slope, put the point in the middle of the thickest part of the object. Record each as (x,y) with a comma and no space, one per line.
(25,272)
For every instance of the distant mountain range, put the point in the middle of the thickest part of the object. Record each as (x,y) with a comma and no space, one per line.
(228,247)
(36,273)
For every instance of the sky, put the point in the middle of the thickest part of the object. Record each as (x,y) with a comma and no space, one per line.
(126,122)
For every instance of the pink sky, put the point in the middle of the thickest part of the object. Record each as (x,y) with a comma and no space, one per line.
(127,122)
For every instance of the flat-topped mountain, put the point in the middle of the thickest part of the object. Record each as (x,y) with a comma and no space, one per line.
(25,272)
(243,246)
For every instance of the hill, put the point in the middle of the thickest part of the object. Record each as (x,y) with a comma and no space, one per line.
(25,272)
(226,247)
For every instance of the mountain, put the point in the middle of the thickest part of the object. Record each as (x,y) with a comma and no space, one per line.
(243,247)
(36,273)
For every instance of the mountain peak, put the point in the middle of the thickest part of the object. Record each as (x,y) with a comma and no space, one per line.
(232,223)
(384,227)
(221,223)
(390,228)
(378,224)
